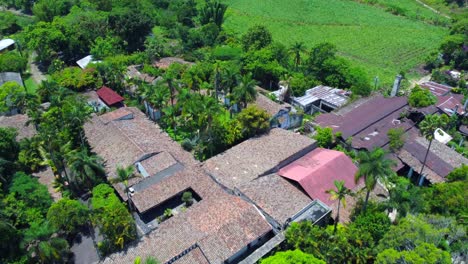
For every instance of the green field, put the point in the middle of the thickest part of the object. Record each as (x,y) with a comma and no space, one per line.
(382,43)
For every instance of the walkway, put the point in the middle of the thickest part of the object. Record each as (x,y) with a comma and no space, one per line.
(433,10)
(263,250)
(36,74)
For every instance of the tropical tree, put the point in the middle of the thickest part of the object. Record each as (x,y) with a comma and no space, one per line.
(43,245)
(213,12)
(428,128)
(296,50)
(245,92)
(123,175)
(68,215)
(373,167)
(339,194)
(87,170)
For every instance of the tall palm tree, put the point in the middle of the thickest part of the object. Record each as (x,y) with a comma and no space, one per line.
(339,194)
(428,128)
(296,50)
(87,170)
(373,167)
(245,92)
(123,175)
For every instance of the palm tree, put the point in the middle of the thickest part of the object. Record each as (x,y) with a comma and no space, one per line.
(43,245)
(428,128)
(296,50)
(123,175)
(340,195)
(373,167)
(87,170)
(245,92)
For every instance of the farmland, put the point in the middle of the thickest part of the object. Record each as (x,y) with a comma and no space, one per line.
(380,42)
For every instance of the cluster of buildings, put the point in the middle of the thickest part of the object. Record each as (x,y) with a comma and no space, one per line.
(365,126)
(243,199)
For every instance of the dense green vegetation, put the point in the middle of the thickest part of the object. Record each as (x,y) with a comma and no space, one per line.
(380,42)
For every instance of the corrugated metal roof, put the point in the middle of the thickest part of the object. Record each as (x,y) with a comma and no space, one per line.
(436,89)
(5,43)
(317,171)
(109,97)
(333,96)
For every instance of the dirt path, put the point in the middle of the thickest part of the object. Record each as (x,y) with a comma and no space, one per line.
(36,74)
(422,80)
(433,10)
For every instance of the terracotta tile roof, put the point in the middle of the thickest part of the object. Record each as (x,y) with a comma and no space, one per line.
(134,73)
(440,161)
(220,227)
(317,171)
(257,156)
(270,106)
(276,196)
(164,63)
(180,181)
(108,96)
(126,135)
(195,256)
(365,115)
(158,163)
(18,122)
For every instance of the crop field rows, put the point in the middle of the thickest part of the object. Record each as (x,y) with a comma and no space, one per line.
(380,42)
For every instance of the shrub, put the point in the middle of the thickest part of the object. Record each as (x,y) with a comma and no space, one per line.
(12,62)
(254,121)
(421,97)
(187,198)
(396,137)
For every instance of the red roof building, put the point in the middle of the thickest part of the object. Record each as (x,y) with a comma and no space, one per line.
(109,97)
(316,172)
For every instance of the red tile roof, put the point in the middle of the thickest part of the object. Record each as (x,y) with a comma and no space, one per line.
(317,170)
(109,96)
(451,102)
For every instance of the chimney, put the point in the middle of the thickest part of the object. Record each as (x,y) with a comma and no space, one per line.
(465,105)
(455,112)
(396,85)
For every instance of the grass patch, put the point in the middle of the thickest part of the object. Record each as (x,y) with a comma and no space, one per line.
(31,85)
(380,42)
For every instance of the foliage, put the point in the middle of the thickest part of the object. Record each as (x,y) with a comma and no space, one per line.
(339,194)
(213,12)
(459,174)
(423,253)
(347,245)
(77,79)
(413,231)
(12,61)
(29,156)
(112,218)
(306,21)
(187,198)
(421,97)
(257,37)
(373,167)
(87,170)
(375,223)
(68,215)
(449,199)
(292,257)
(105,47)
(406,198)
(245,92)
(254,121)
(46,10)
(324,137)
(12,96)
(397,139)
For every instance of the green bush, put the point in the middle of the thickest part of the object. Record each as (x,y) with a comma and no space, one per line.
(12,62)
(421,97)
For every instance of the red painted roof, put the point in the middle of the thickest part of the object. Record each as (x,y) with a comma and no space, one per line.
(317,171)
(109,97)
